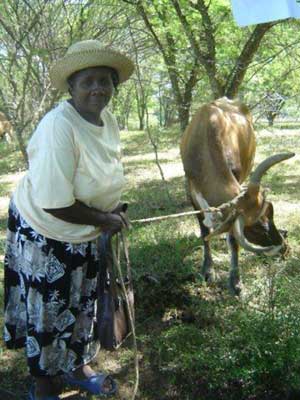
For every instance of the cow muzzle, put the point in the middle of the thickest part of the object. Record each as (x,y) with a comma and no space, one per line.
(238,232)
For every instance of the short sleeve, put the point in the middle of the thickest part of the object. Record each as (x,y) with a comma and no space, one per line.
(52,164)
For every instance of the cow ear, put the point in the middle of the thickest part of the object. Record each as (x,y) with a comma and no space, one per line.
(270,210)
(253,189)
(250,198)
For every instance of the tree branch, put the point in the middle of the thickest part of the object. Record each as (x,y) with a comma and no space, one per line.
(245,58)
(168,56)
(208,60)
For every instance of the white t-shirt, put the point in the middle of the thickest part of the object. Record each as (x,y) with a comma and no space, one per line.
(70,158)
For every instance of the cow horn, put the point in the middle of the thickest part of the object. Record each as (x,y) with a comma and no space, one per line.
(262,168)
(238,231)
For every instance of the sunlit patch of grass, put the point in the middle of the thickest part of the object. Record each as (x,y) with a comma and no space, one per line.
(138,142)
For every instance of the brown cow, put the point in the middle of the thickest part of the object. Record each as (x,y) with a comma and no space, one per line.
(217,151)
(6,129)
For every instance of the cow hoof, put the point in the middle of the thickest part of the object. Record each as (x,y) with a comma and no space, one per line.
(235,290)
(209,276)
(235,285)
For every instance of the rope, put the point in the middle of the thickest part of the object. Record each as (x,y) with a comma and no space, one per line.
(163,217)
(130,314)
(120,275)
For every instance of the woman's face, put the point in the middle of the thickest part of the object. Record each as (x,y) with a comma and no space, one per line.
(91,89)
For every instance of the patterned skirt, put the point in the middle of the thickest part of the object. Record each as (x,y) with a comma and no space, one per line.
(50,299)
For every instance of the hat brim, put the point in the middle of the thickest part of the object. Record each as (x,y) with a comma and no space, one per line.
(71,63)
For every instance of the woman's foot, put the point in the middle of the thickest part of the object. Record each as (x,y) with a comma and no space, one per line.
(85,372)
(91,381)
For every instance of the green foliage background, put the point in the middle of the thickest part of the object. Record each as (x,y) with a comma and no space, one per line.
(195,340)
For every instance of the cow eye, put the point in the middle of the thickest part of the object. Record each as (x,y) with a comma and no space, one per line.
(264,223)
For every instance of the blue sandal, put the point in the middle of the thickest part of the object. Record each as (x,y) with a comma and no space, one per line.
(31,395)
(94,384)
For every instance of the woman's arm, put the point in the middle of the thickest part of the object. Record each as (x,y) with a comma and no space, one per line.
(79,213)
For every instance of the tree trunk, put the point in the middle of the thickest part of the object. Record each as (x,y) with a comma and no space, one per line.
(168,49)
(22,146)
(141,125)
(270,118)
(184,115)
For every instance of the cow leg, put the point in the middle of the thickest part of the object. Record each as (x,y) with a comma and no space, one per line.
(199,203)
(234,277)
(207,267)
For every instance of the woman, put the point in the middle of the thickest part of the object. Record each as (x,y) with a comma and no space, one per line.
(69,195)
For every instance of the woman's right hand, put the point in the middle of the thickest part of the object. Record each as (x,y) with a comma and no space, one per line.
(112,223)
(79,213)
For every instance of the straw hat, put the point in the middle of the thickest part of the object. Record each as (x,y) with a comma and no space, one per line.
(85,54)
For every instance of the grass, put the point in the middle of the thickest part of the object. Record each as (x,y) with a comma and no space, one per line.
(196,342)
(278,124)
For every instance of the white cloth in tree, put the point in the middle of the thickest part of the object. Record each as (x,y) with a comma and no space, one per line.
(250,12)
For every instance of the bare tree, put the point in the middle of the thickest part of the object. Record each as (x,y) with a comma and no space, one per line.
(188,37)
(33,35)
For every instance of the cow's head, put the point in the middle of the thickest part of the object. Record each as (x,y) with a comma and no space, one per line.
(264,232)
(252,220)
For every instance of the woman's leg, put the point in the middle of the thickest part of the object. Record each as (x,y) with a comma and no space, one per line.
(48,386)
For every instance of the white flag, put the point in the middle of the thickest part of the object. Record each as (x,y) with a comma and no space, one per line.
(249,12)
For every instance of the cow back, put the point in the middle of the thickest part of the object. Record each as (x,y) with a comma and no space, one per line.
(218,149)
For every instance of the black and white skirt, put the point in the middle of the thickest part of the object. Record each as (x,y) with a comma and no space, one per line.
(50,298)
